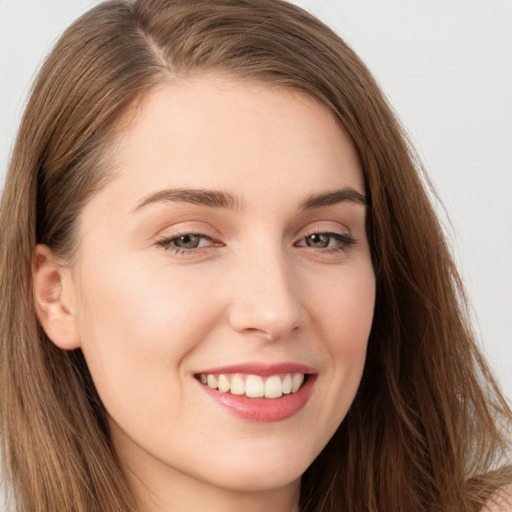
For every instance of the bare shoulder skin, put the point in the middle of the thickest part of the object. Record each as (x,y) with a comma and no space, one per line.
(502,502)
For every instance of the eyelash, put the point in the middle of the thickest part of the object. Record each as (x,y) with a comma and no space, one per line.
(167,244)
(345,241)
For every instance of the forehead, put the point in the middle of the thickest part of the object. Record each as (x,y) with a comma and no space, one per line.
(241,137)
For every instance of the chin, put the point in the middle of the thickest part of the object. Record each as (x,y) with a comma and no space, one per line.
(266,479)
(263,469)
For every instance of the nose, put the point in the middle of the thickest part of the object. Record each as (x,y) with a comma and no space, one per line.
(265,299)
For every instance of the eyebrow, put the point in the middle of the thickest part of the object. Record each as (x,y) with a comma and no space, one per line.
(334,197)
(210,198)
(219,199)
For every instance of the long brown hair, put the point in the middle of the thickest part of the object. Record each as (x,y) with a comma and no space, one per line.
(428,428)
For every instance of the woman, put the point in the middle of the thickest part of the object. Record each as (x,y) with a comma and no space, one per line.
(223,284)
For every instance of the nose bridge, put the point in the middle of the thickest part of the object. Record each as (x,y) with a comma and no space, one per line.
(266,298)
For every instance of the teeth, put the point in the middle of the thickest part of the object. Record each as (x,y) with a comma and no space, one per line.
(273,387)
(254,386)
(297,381)
(237,386)
(211,381)
(287,384)
(223,384)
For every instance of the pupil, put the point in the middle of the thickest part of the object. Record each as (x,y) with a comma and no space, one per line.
(188,241)
(318,240)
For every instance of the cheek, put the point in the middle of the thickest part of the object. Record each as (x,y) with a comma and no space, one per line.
(344,316)
(344,312)
(146,306)
(137,330)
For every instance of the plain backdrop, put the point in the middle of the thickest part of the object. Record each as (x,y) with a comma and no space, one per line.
(446,66)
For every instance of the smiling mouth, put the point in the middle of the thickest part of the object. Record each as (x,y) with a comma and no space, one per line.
(254,386)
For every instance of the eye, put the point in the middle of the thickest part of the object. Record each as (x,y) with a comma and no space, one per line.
(186,241)
(327,241)
(189,241)
(318,240)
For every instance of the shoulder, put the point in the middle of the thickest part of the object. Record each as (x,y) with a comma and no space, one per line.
(501,502)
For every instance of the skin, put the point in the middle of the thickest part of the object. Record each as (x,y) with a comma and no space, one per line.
(501,501)
(149,316)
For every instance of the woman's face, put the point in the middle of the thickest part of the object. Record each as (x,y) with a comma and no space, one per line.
(229,250)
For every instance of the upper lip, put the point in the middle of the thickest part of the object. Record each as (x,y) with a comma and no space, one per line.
(262,369)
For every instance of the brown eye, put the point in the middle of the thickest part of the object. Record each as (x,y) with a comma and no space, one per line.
(318,240)
(327,240)
(188,241)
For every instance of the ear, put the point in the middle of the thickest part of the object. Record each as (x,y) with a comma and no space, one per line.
(54,297)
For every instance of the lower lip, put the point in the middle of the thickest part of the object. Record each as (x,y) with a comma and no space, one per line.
(265,410)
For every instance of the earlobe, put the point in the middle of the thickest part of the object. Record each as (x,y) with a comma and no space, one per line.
(52,283)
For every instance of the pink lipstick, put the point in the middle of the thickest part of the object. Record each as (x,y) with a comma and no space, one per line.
(259,392)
